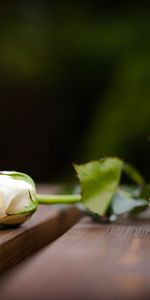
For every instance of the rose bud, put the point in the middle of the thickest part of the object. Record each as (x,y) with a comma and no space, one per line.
(17,198)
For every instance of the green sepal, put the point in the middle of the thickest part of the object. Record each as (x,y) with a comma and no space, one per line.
(28,209)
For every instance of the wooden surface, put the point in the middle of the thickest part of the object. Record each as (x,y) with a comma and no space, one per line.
(90,261)
(47,224)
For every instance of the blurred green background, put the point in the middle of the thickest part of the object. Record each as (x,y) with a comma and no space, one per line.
(74,85)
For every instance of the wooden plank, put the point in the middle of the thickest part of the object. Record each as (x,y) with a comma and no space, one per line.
(90,261)
(48,223)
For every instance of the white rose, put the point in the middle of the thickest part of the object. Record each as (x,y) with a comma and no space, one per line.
(17,198)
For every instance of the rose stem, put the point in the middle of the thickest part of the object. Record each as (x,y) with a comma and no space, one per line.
(58,199)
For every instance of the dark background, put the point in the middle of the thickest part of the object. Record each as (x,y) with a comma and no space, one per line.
(74,85)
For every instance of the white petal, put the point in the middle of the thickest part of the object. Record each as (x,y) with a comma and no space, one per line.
(19,202)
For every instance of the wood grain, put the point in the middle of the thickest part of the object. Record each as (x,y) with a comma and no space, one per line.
(46,225)
(90,261)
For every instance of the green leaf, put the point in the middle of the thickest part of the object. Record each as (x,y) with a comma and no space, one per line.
(133,174)
(123,203)
(99,182)
(145,191)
